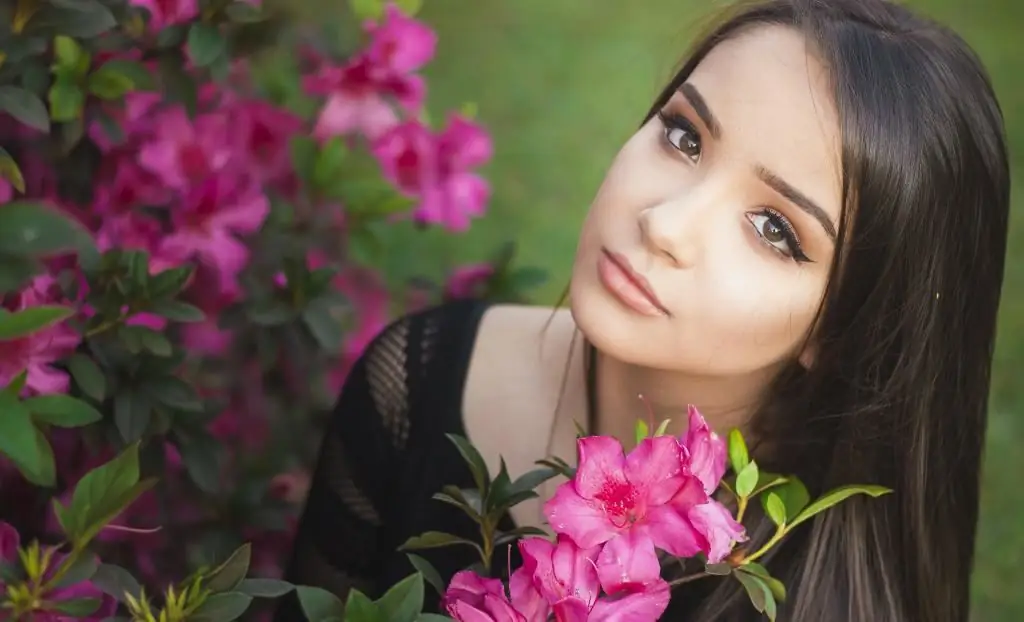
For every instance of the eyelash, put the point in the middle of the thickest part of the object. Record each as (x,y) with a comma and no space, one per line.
(672,122)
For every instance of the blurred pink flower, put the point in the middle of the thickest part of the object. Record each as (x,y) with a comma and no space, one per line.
(437,169)
(6,191)
(9,543)
(468,281)
(206,223)
(165,13)
(264,133)
(37,351)
(184,152)
(126,186)
(399,44)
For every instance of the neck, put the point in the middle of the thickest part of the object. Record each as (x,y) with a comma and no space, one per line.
(726,402)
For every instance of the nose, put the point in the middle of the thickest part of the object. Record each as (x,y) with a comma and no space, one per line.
(669,231)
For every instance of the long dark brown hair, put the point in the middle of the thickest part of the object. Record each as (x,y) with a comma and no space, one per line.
(898,392)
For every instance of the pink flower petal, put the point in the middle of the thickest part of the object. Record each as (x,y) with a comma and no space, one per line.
(582,520)
(601,464)
(571,610)
(707,452)
(655,466)
(642,606)
(525,596)
(9,542)
(628,562)
(671,531)
(719,527)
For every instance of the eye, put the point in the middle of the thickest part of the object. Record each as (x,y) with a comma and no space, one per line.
(681,135)
(776,231)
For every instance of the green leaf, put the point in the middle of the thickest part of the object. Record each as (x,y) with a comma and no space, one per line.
(10,171)
(359,608)
(205,44)
(642,431)
(452,495)
(746,480)
(17,384)
(244,13)
(319,605)
(16,271)
(434,540)
(774,508)
(62,411)
(132,414)
(433,617)
(760,595)
(174,393)
(329,162)
(367,9)
(76,607)
(409,7)
(116,582)
(505,537)
(82,569)
(24,106)
(156,342)
(177,311)
(170,282)
(85,20)
(766,481)
(109,84)
(136,73)
(68,54)
(721,569)
(66,101)
(404,601)
(739,458)
(23,444)
(836,496)
(662,428)
(430,574)
(777,588)
(88,376)
(229,574)
(364,245)
(264,588)
(201,454)
(481,476)
(102,494)
(794,497)
(28,321)
(28,228)
(323,319)
(222,608)
(531,479)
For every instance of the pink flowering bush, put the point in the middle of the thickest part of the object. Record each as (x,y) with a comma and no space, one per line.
(191,258)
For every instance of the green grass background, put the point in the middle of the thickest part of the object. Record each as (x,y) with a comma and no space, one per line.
(561,84)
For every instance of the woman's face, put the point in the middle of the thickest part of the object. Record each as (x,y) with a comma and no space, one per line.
(725,205)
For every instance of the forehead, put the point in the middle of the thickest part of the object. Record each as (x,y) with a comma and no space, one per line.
(773,100)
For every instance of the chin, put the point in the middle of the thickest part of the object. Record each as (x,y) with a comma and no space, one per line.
(612,328)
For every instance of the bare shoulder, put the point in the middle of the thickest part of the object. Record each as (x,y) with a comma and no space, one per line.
(523,358)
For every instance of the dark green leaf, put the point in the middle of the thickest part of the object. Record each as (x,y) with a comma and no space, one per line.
(156,342)
(433,540)
(430,574)
(62,411)
(304,152)
(174,393)
(229,574)
(88,376)
(137,74)
(28,321)
(433,617)
(532,479)
(774,508)
(201,454)
(87,20)
(222,608)
(177,311)
(481,476)
(132,414)
(264,588)
(760,595)
(25,107)
(746,480)
(170,282)
(77,607)
(35,229)
(721,569)
(172,37)
(738,455)
(836,496)
(102,494)
(271,312)
(359,608)
(205,44)
(23,443)
(178,85)
(116,582)
(109,84)
(506,537)
(404,601)
(364,245)
(319,605)
(329,162)
(17,271)
(794,497)
(777,588)
(82,569)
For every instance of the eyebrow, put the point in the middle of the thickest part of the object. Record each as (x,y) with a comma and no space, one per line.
(801,200)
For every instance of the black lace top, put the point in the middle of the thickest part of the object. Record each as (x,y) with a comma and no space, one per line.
(384,455)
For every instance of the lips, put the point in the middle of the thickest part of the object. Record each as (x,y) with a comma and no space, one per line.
(628,285)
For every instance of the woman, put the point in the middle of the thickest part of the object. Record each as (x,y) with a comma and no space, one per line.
(805,239)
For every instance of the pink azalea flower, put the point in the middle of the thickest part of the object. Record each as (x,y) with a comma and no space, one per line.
(468,281)
(437,170)
(357,98)
(6,191)
(37,351)
(706,451)
(126,186)
(612,494)
(399,43)
(264,132)
(209,218)
(165,13)
(719,527)
(642,605)
(184,152)
(472,598)
(9,543)
(552,574)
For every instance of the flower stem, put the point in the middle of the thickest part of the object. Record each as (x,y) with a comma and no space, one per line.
(742,508)
(688,578)
(779,533)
